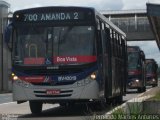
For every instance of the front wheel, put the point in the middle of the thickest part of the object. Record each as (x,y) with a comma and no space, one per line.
(35,107)
(143,89)
(119,99)
(154,85)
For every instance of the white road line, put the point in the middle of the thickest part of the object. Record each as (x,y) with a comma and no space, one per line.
(8,94)
(149,89)
(7,103)
(144,92)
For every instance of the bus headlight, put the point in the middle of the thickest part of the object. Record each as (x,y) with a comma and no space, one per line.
(15,77)
(137,80)
(93,76)
(153,80)
(13,74)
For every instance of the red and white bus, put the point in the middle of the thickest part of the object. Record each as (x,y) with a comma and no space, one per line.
(66,55)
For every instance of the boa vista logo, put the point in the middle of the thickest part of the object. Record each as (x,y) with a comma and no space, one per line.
(74,59)
(66,59)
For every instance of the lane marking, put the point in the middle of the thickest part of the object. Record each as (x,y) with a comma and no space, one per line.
(7,103)
(144,92)
(6,95)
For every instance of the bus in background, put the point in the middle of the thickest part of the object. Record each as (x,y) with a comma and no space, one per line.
(66,55)
(136,68)
(151,72)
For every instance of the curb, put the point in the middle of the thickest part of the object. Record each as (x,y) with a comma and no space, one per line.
(138,99)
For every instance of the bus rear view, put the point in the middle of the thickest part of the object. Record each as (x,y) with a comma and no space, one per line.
(136,68)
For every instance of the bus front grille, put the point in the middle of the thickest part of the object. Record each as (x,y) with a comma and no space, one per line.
(63,93)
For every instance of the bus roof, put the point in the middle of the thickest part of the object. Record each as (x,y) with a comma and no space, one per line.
(70,8)
(150,60)
(133,48)
(55,8)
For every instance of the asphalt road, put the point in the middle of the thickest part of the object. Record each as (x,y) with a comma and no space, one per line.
(9,109)
(5,98)
(56,112)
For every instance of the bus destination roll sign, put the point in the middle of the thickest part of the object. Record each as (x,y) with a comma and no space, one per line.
(58,16)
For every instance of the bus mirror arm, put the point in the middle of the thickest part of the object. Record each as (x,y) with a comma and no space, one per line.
(8,36)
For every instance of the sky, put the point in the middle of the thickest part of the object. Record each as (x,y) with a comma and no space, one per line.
(150,48)
(98,4)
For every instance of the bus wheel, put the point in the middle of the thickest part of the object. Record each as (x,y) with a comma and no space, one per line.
(144,88)
(154,85)
(140,90)
(119,99)
(35,107)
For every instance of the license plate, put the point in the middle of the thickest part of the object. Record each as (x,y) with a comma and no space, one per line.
(53,92)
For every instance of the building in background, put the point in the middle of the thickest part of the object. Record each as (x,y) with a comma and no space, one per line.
(5,61)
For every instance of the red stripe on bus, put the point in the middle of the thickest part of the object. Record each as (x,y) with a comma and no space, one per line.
(74,59)
(34,61)
(33,79)
(136,72)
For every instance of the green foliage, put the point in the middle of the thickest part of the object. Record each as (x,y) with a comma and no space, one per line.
(156,97)
(134,108)
(118,111)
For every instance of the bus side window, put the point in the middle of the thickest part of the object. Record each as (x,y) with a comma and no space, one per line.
(112,42)
(108,39)
(99,38)
(104,39)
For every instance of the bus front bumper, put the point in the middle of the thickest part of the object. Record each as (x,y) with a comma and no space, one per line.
(134,84)
(78,90)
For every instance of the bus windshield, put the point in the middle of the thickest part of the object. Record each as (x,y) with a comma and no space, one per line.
(54,45)
(149,68)
(133,60)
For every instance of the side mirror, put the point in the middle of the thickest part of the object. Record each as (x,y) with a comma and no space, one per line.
(156,66)
(138,66)
(8,36)
(143,55)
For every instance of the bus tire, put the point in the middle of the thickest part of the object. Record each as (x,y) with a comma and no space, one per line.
(144,88)
(35,107)
(119,99)
(154,85)
(140,90)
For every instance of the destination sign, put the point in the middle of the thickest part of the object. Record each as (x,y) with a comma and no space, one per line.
(56,16)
